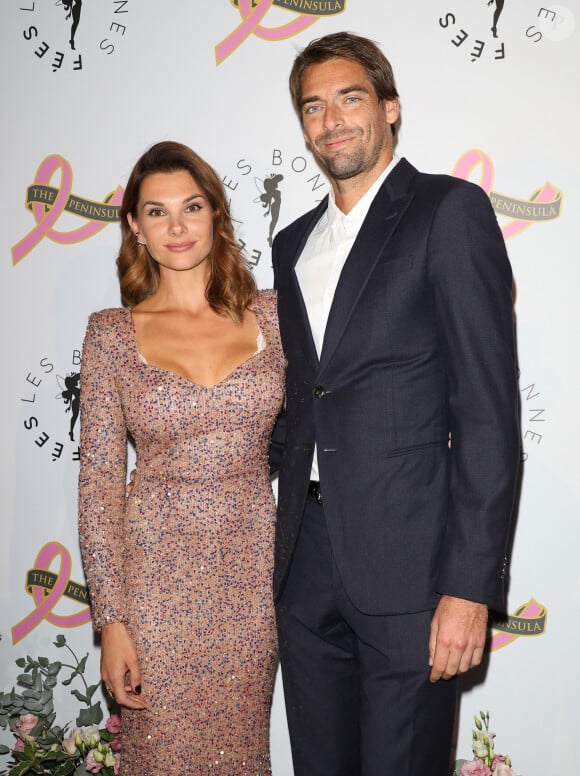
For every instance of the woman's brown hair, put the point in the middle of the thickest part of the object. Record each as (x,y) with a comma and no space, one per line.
(231,284)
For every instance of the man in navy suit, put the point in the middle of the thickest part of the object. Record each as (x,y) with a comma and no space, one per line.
(402,442)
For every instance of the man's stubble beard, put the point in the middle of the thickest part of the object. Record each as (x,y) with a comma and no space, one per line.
(353,163)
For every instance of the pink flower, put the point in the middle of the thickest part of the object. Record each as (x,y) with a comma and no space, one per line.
(475,768)
(115,744)
(25,724)
(19,745)
(498,758)
(91,764)
(113,724)
(69,744)
(501,769)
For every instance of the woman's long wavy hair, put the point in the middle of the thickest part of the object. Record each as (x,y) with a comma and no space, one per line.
(231,284)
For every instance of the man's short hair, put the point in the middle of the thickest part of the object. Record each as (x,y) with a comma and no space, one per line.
(344,45)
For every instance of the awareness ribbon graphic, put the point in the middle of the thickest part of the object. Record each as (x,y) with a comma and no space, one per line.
(46,603)
(530,611)
(251,24)
(47,218)
(471,159)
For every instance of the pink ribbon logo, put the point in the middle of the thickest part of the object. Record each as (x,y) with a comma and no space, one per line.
(251,25)
(47,213)
(543,205)
(47,589)
(527,620)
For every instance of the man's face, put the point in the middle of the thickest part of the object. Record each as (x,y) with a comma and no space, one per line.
(343,121)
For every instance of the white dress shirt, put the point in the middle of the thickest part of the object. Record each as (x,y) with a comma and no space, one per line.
(320,264)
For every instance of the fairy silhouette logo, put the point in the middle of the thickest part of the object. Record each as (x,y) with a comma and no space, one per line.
(59,38)
(271,199)
(270,191)
(73,12)
(496,14)
(492,29)
(253,12)
(50,403)
(71,395)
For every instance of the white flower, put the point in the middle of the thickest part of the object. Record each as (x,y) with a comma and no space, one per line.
(90,735)
(483,744)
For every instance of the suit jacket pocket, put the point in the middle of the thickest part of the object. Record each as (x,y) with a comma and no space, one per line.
(416,448)
(394,264)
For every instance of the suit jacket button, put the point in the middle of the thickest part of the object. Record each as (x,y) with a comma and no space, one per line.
(308,449)
(319,392)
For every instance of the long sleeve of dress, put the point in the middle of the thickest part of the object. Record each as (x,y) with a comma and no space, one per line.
(103,465)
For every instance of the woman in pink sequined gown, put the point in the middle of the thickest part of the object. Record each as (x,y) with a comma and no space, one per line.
(179,572)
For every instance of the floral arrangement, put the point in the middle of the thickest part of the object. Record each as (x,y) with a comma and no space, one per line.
(485,761)
(41,746)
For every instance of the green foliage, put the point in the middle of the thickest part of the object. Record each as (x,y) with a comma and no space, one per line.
(42,751)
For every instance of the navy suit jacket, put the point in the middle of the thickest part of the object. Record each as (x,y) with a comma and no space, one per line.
(419,346)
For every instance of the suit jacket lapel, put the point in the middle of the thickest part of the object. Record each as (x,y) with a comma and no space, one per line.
(303,332)
(384,214)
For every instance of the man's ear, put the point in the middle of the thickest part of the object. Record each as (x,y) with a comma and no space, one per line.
(392,111)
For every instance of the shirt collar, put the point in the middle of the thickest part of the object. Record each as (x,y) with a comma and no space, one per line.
(353,220)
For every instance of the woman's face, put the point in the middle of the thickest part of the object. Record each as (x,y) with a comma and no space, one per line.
(175,221)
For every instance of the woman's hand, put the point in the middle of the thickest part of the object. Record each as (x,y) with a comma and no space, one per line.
(131,484)
(120,666)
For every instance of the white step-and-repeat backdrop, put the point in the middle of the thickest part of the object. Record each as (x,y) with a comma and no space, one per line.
(490,91)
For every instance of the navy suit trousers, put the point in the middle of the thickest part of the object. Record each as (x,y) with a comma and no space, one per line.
(357,691)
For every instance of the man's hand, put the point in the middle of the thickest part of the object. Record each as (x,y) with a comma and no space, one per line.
(458,631)
(120,667)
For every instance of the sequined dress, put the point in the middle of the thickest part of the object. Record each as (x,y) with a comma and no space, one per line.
(185,561)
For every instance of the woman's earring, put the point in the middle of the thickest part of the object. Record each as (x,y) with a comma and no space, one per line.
(137,238)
